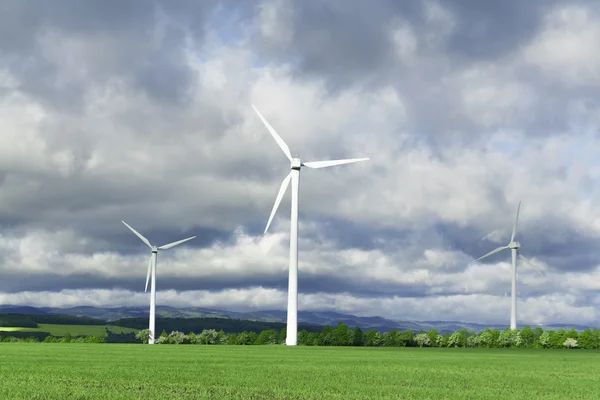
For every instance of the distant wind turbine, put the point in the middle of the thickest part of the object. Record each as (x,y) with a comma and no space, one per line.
(514,247)
(152,267)
(294,176)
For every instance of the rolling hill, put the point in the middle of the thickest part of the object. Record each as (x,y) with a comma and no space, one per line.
(304,317)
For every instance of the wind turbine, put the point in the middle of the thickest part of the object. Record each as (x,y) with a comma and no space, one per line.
(514,247)
(152,266)
(294,176)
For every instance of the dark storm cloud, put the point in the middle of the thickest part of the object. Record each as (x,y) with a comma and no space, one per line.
(490,29)
(307,283)
(153,64)
(349,41)
(348,44)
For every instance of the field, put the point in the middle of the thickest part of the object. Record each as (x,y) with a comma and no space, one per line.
(61,330)
(122,371)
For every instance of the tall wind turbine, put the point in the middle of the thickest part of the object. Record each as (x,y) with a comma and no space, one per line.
(294,176)
(152,267)
(514,247)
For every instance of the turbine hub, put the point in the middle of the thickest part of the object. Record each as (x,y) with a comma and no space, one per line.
(296,163)
(514,245)
(154,249)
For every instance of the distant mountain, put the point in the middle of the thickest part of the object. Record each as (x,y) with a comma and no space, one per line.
(304,317)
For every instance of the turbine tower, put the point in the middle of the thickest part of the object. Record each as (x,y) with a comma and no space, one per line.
(152,267)
(294,176)
(514,247)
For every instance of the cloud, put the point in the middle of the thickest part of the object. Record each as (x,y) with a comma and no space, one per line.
(143,113)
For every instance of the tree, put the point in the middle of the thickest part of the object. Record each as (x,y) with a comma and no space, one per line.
(432,335)
(545,340)
(177,337)
(162,340)
(472,340)
(222,337)
(372,338)
(405,338)
(422,339)
(507,338)
(596,338)
(458,339)
(342,335)
(302,337)
(271,336)
(441,341)
(558,338)
(143,335)
(518,339)
(326,336)
(572,333)
(537,333)
(282,335)
(485,338)
(245,338)
(570,343)
(526,336)
(208,336)
(389,338)
(357,337)
(454,340)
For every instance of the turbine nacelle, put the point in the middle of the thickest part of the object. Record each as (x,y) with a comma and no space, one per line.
(154,249)
(296,163)
(514,245)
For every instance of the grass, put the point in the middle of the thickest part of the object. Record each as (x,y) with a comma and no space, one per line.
(61,330)
(122,371)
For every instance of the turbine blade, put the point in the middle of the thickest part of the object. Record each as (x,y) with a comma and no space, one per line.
(323,164)
(138,234)
(282,190)
(168,246)
(512,238)
(530,264)
(493,252)
(277,138)
(148,275)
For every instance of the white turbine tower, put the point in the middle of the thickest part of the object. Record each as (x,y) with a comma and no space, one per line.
(514,247)
(152,267)
(294,176)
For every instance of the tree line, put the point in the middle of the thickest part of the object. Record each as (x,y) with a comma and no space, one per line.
(342,335)
(240,332)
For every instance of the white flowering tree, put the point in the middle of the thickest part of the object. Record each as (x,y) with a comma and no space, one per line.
(439,340)
(472,341)
(208,336)
(143,335)
(545,339)
(570,343)
(421,339)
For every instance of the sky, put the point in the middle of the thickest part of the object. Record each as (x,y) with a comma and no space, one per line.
(141,111)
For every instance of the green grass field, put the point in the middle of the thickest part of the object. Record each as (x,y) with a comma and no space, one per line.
(61,330)
(122,371)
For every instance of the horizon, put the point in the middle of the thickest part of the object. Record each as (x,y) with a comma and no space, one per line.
(143,113)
